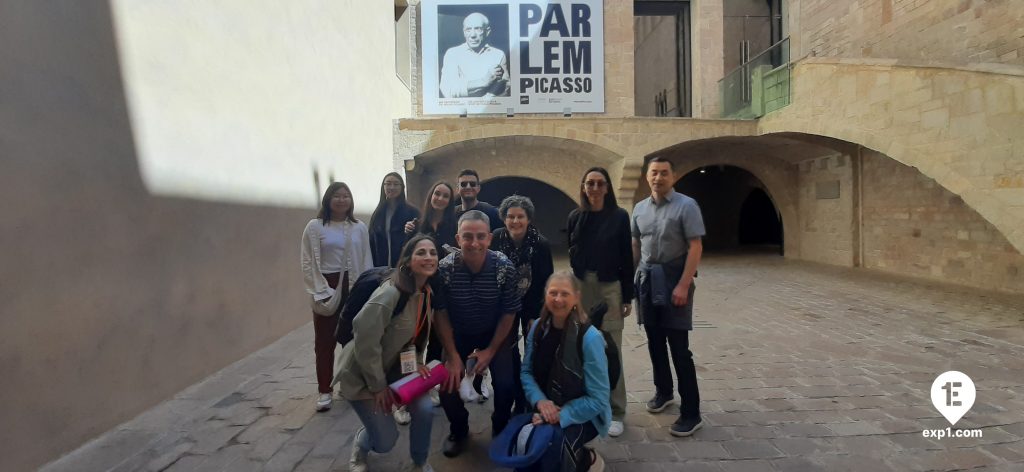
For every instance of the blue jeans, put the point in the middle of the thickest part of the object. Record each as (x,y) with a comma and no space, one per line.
(379,431)
(504,379)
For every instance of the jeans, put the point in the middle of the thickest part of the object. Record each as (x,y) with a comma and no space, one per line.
(504,378)
(379,431)
(678,341)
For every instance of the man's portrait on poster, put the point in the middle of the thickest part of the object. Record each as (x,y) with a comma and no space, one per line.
(478,66)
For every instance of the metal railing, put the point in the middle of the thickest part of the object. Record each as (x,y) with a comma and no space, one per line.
(759,85)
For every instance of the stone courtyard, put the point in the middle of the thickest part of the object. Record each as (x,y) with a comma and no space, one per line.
(801,366)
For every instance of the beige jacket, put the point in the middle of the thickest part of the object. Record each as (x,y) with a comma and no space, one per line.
(371,360)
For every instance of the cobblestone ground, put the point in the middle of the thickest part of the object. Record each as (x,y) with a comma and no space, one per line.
(802,367)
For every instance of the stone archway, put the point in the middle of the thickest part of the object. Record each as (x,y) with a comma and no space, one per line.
(959,125)
(557,162)
(552,205)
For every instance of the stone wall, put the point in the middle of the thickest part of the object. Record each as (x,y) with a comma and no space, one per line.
(913,226)
(963,31)
(826,210)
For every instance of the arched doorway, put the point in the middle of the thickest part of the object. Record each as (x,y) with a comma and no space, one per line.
(760,225)
(552,205)
(736,208)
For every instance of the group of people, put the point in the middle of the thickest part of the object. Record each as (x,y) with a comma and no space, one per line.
(471,280)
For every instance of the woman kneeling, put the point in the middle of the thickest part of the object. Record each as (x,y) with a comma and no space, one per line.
(381,338)
(567,385)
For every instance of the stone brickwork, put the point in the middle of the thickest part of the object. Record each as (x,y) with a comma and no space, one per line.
(963,31)
(826,218)
(913,226)
(959,126)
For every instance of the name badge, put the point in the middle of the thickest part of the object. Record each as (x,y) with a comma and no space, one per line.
(408,359)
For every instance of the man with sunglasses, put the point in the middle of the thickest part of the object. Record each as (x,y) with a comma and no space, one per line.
(469,188)
(476,310)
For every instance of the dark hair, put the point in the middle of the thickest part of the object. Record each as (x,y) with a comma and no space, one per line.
(402,277)
(609,198)
(516,201)
(447,214)
(664,159)
(379,213)
(465,172)
(325,204)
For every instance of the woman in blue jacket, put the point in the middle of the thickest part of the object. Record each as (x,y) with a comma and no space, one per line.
(565,389)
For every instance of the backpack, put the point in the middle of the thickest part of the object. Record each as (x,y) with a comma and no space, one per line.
(611,350)
(360,293)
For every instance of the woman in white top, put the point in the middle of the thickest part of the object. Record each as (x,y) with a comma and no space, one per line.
(335,250)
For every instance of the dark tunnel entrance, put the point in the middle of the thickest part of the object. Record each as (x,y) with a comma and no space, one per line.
(738,212)
(552,205)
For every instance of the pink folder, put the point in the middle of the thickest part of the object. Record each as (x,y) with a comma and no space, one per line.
(412,386)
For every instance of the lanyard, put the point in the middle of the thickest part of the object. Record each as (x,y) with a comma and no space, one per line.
(421,316)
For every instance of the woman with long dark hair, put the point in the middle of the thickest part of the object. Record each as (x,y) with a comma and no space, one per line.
(388,221)
(438,218)
(601,256)
(372,360)
(335,250)
(566,385)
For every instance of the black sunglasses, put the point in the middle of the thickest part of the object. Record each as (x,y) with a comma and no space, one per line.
(467,184)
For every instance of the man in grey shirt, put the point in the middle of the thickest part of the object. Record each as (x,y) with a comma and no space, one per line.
(667,229)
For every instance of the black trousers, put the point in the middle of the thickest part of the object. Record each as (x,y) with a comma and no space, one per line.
(504,378)
(678,342)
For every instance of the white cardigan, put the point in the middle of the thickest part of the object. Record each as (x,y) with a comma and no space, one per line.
(359,242)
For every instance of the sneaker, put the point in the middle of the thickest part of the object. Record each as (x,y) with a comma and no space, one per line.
(485,389)
(323,402)
(466,390)
(402,416)
(435,396)
(420,468)
(684,427)
(597,462)
(357,463)
(453,446)
(659,403)
(615,429)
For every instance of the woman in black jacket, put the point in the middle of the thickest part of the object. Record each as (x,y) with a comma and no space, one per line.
(387,225)
(438,219)
(601,256)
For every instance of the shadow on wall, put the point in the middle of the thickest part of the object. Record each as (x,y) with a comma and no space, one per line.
(552,205)
(111,297)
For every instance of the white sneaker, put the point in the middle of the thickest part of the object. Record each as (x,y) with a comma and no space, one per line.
(485,388)
(420,468)
(466,390)
(435,396)
(615,429)
(357,462)
(402,416)
(323,402)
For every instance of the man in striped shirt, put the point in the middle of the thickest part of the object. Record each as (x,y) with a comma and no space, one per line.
(476,309)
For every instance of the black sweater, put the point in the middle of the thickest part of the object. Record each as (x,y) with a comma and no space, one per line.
(608,236)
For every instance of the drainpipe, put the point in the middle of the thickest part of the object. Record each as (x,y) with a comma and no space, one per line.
(858,205)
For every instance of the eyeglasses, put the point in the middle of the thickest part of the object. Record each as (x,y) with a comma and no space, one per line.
(468,183)
(596,183)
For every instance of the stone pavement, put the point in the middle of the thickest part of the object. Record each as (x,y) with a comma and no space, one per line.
(801,366)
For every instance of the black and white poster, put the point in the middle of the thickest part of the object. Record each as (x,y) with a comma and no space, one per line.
(540,56)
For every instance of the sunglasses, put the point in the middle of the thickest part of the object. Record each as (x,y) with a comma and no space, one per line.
(468,184)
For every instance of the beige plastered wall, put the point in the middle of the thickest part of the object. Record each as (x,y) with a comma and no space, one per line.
(115,296)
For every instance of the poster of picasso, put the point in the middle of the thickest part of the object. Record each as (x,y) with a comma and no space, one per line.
(518,56)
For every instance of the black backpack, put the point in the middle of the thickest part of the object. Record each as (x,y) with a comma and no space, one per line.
(361,291)
(611,350)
